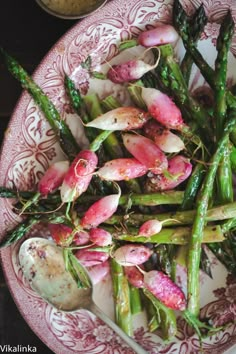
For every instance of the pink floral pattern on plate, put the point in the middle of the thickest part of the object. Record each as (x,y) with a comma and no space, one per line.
(33,147)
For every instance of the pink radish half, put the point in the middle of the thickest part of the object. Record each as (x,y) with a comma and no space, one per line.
(129,71)
(79,175)
(146,151)
(162,108)
(134,276)
(53,177)
(162,34)
(89,257)
(122,118)
(132,254)
(100,237)
(161,286)
(98,272)
(179,170)
(122,169)
(163,138)
(100,211)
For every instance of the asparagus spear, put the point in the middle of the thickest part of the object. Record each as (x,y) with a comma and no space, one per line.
(121,295)
(181,25)
(171,236)
(200,219)
(135,300)
(167,316)
(62,131)
(79,106)
(23,228)
(186,217)
(20,231)
(224,175)
(193,186)
(149,199)
(196,25)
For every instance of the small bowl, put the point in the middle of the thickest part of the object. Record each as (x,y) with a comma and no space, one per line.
(86,8)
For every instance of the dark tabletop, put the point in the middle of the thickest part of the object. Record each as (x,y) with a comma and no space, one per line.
(27,33)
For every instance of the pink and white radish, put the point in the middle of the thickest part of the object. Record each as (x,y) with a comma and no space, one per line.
(79,175)
(162,108)
(150,227)
(100,211)
(179,170)
(146,151)
(122,169)
(163,138)
(99,272)
(164,289)
(89,257)
(129,71)
(132,254)
(81,238)
(50,182)
(162,34)
(122,118)
(53,177)
(100,237)
(134,276)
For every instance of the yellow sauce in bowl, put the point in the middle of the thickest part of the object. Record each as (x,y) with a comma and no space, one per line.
(72,7)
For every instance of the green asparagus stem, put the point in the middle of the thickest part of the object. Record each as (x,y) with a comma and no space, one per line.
(226,252)
(224,174)
(121,295)
(221,62)
(193,185)
(148,199)
(172,236)
(225,178)
(24,227)
(167,316)
(196,25)
(181,25)
(130,43)
(135,94)
(76,99)
(79,106)
(200,220)
(10,193)
(135,300)
(222,212)
(166,259)
(153,317)
(62,131)
(233,158)
(20,231)
(77,271)
(110,103)
(97,142)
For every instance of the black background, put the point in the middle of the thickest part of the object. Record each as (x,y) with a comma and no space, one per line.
(27,33)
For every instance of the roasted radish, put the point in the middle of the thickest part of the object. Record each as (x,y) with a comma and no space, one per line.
(146,151)
(79,175)
(122,169)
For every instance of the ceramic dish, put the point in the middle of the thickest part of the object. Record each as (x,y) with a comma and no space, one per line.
(33,147)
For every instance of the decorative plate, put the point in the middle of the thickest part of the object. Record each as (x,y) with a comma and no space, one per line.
(32,146)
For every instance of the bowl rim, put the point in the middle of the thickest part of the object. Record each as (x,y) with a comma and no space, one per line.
(69,17)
